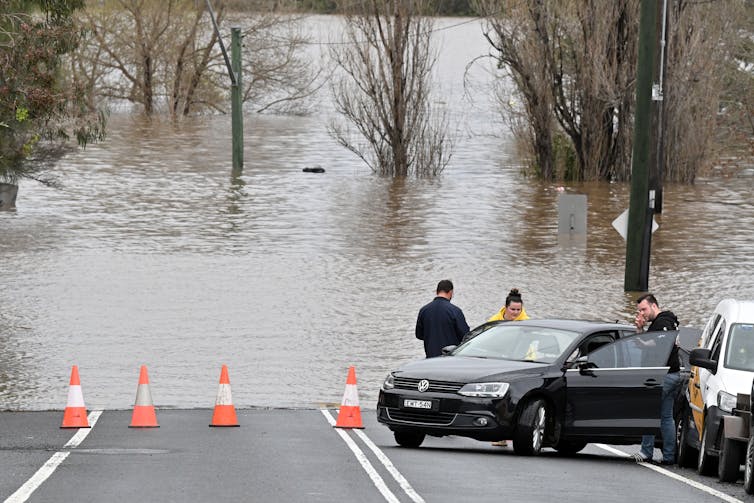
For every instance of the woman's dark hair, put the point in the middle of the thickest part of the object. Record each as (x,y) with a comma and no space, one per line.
(513,296)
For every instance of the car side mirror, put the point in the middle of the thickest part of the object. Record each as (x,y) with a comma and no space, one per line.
(448,349)
(581,363)
(701,357)
(585,366)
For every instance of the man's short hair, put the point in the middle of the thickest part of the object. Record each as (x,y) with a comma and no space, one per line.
(445,286)
(650,298)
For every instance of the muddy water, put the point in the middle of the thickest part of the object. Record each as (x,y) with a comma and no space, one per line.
(153,254)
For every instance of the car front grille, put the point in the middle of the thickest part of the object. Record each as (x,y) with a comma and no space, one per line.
(436,386)
(433,418)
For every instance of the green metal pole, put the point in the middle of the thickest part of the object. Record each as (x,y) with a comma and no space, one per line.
(237,100)
(637,249)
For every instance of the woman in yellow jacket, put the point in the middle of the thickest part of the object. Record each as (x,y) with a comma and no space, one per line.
(513,310)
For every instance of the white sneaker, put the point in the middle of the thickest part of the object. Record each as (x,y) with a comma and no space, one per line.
(639,458)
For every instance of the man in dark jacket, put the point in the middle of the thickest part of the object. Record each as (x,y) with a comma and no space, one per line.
(649,312)
(440,323)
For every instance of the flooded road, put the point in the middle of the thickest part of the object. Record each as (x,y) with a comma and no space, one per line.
(153,254)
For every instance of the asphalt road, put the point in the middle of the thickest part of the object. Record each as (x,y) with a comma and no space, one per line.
(296,455)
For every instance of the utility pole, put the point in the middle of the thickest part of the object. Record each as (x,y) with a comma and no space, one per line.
(236,101)
(657,151)
(639,212)
(234,72)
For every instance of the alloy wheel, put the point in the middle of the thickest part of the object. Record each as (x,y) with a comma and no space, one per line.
(538,432)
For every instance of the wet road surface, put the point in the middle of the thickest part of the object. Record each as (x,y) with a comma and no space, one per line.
(296,455)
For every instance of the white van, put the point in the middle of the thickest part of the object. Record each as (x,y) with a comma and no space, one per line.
(722,367)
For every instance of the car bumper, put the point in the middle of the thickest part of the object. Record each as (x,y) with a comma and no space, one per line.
(451,414)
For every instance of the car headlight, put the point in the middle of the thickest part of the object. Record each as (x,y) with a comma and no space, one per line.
(485,389)
(725,401)
(389,382)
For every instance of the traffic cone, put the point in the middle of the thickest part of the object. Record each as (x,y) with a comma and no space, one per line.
(349,415)
(225,413)
(75,410)
(143,415)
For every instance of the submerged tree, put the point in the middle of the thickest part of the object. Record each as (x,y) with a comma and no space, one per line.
(382,89)
(163,55)
(734,136)
(573,66)
(39,109)
(702,43)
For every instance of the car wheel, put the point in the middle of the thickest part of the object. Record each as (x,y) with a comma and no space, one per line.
(569,447)
(409,438)
(729,461)
(687,455)
(705,464)
(749,467)
(530,432)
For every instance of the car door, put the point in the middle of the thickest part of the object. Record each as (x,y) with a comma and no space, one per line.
(699,384)
(617,390)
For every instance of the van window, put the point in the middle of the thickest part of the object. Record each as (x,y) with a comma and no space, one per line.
(717,340)
(709,329)
(740,350)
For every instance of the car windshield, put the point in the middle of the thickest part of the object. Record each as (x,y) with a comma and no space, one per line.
(740,352)
(514,341)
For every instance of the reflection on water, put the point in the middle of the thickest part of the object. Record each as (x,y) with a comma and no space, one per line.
(154,254)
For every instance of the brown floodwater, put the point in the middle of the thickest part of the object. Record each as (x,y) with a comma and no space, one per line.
(152,253)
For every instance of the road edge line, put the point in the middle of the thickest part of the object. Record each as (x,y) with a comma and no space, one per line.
(362,459)
(405,485)
(693,483)
(27,489)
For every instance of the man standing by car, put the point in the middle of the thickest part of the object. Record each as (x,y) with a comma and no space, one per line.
(649,312)
(440,323)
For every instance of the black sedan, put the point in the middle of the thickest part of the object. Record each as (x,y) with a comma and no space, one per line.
(556,383)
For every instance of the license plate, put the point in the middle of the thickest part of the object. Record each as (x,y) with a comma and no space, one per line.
(418,404)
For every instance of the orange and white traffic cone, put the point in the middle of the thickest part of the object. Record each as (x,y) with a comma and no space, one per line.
(225,413)
(143,415)
(349,415)
(75,410)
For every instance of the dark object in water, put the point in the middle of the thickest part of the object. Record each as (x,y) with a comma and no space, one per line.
(315,169)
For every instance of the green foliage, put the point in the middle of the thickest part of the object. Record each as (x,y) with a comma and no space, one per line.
(60,11)
(37,108)
(453,8)
(437,7)
(318,6)
(566,160)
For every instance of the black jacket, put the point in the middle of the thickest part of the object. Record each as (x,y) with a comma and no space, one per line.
(440,324)
(666,320)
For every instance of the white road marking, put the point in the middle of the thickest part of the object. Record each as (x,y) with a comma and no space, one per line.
(362,458)
(83,432)
(25,491)
(391,468)
(673,475)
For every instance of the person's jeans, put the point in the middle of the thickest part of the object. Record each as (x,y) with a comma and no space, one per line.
(670,386)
